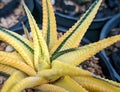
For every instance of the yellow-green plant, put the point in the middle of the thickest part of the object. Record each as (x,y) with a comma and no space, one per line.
(50,65)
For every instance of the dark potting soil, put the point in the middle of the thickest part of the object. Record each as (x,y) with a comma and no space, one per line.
(92,65)
(71,8)
(115,47)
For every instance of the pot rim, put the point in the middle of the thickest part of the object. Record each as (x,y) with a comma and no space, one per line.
(75,18)
(109,25)
(104,33)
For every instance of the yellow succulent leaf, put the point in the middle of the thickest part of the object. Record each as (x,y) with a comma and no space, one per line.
(78,55)
(41,55)
(14,55)
(19,43)
(95,84)
(16,36)
(49,24)
(17,63)
(62,69)
(114,83)
(69,69)
(7,69)
(70,85)
(26,32)
(28,82)
(73,36)
(50,88)
(12,80)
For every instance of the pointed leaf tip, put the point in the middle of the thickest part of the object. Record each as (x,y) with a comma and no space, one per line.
(73,36)
(49,24)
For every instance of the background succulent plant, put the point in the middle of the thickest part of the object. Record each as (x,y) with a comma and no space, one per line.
(47,64)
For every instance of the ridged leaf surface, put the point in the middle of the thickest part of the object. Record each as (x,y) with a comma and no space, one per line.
(16,77)
(95,85)
(70,85)
(49,24)
(7,69)
(50,88)
(19,43)
(41,55)
(72,38)
(78,55)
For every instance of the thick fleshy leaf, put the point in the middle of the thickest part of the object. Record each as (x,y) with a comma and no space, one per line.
(49,24)
(7,69)
(50,88)
(26,32)
(72,38)
(114,83)
(19,43)
(41,55)
(7,59)
(96,85)
(28,82)
(78,55)
(14,55)
(70,85)
(62,69)
(69,69)
(12,80)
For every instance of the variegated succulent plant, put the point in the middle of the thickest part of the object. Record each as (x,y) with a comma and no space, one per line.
(47,64)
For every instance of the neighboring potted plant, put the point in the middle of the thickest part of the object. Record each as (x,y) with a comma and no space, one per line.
(111,54)
(12,14)
(66,17)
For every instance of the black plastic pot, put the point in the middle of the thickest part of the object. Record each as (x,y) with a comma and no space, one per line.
(37,13)
(65,22)
(115,21)
(97,23)
(9,8)
(18,27)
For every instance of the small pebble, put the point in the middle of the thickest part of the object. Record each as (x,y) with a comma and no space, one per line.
(9,49)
